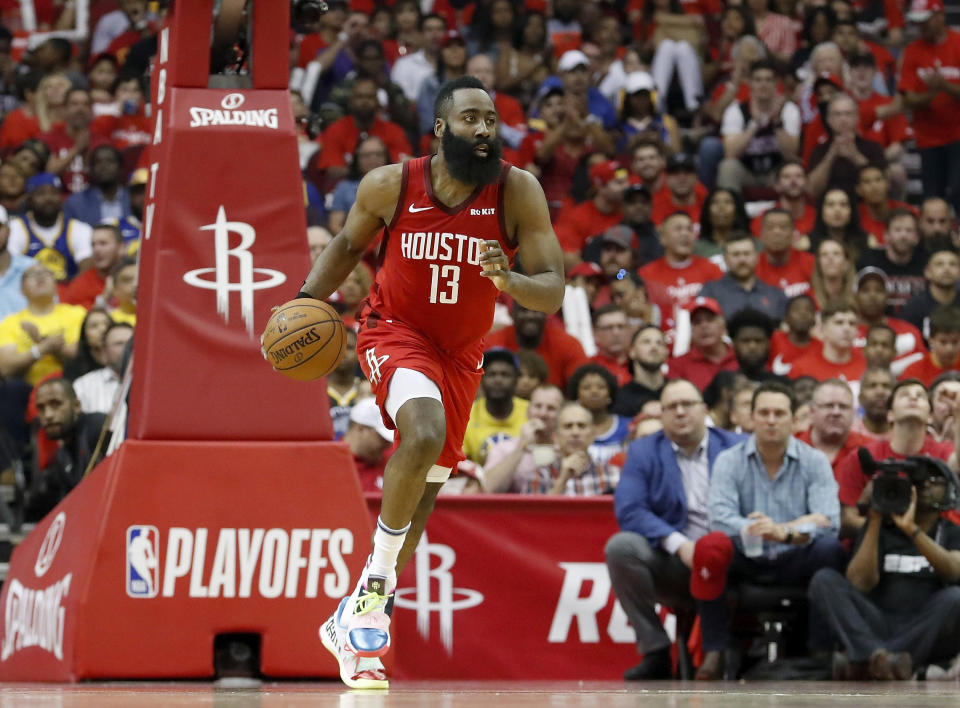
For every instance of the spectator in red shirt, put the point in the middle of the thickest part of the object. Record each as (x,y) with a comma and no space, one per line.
(944,340)
(340,140)
(69,142)
(611,332)
(21,123)
(791,186)
(781,265)
(880,347)
(577,223)
(708,354)
(530,330)
(875,206)
(909,416)
(825,87)
(831,422)
(929,85)
(683,191)
(679,275)
(786,346)
(870,296)
(837,358)
(91,286)
(881,117)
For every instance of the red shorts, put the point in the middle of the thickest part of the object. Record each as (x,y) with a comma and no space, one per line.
(387,346)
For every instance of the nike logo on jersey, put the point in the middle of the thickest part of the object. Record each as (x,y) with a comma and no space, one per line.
(414,210)
(780,367)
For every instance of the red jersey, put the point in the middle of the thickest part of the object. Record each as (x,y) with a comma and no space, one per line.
(927,370)
(562,352)
(620,369)
(577,223)
(936,123)
(74,176)
(783,352)
(664,205)
(430,278)
(873,226)
(884,132)
(681,283)
(793,277)
(801,226)
(814,133)
(698,369)
(853,442)
(340,141)
(908,344)
(814,364)
(852,480)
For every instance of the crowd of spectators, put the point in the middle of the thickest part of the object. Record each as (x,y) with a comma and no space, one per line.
(756,202)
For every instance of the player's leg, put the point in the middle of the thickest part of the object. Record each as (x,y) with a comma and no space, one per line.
(418,524)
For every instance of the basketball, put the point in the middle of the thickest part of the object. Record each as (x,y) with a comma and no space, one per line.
(304,339)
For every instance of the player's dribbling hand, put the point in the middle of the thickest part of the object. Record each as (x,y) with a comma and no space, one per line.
(495,263)
(263,351)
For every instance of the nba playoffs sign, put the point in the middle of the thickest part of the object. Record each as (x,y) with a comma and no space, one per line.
(201,539)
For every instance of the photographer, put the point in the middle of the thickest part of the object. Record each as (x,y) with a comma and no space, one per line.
(898,606)
(909,416)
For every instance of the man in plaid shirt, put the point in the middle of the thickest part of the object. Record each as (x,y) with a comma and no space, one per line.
(572,472)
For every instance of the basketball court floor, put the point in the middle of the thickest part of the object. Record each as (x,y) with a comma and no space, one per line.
(469,694)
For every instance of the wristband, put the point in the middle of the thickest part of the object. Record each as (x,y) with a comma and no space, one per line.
(35,352)
(304,295)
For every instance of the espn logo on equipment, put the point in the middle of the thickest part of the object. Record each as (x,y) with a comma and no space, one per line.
(143,552)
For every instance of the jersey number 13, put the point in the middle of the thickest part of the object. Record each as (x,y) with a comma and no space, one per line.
(450,288)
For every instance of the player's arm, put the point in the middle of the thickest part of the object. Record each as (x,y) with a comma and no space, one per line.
(528,220)
(376,201)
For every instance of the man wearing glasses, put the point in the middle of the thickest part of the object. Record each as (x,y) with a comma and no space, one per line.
(661,507)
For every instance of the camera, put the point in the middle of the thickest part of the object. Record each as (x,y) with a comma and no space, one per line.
(894,479)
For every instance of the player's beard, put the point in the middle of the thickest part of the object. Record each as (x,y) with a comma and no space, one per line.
(467,166)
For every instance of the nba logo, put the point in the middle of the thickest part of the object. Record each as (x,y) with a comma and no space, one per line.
(143,552)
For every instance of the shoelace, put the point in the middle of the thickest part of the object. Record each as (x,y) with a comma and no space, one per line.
(370,602)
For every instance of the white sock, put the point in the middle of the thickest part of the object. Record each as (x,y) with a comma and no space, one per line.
(387,543)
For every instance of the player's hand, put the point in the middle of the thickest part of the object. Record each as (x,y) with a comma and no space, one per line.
(263,352)
(495,264)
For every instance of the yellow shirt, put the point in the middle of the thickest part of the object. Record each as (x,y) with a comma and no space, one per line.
(67,319)
(483,430)
(119,315)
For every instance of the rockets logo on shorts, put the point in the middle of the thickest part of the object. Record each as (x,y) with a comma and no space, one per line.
(143,552)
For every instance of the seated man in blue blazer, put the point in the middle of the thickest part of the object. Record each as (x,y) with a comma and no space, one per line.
(661,507)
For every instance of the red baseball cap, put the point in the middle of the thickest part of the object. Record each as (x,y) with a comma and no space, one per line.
(830,78)
(712,555)
(588,269)
(704,303)
(604,172)
(922,10)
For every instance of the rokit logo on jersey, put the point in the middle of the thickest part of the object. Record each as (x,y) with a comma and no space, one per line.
(229,115)
(246,562)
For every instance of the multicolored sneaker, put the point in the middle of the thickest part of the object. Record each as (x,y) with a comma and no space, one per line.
(355,671)
(368,626)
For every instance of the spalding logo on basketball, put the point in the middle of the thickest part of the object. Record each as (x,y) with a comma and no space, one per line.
(304,339)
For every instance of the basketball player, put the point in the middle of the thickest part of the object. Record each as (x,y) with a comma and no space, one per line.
(451,225)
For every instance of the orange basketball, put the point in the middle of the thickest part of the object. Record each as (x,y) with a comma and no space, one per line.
(304,339)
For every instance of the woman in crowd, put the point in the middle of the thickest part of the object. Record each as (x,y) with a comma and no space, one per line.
(528,61)
(90,350)
(595,388)
(404,37)
(492,29)
(102,74)
(837,218)
(833,274)
(735,22)
(52,100)
(723,213)
(533,372)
